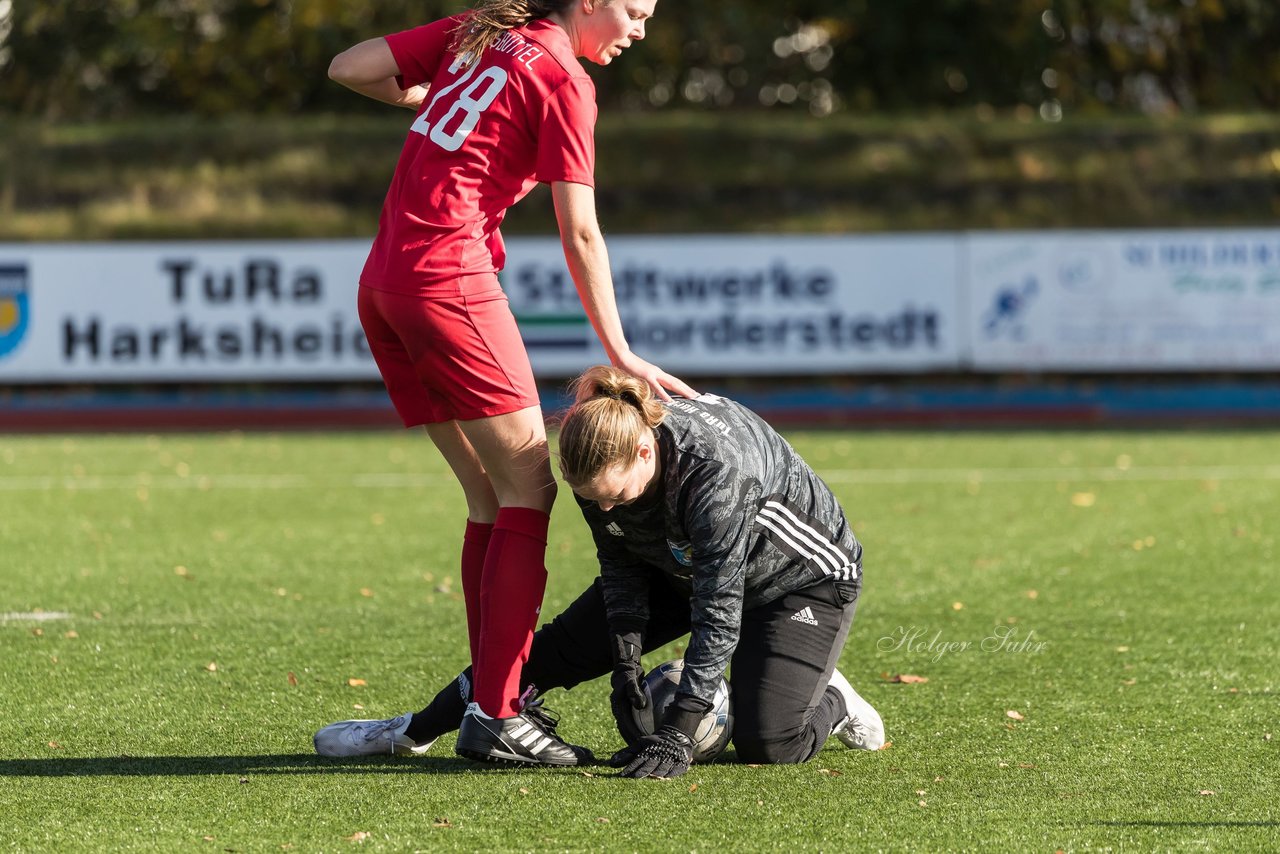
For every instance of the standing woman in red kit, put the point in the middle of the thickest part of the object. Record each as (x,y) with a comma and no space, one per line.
(502,104)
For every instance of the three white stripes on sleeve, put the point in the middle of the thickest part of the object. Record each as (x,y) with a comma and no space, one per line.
(807,541)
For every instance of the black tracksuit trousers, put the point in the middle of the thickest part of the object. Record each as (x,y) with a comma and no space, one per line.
(779,672)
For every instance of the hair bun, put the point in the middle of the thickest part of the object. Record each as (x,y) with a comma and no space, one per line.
(594,433)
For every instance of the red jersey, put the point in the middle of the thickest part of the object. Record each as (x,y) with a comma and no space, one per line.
(484,136)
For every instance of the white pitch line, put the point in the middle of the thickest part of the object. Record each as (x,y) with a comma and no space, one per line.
(395,480)
(197,482)
(1052,475)
(34,617)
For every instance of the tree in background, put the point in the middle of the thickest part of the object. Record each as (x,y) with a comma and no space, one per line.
(1166,56)
(67,59)
(90,58)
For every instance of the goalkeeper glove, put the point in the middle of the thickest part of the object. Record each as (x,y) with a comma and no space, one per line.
(628,693)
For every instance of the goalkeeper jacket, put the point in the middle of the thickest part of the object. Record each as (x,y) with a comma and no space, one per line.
(736,520)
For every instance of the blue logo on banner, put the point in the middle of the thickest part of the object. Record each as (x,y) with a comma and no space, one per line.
(14,307)
(1009,309)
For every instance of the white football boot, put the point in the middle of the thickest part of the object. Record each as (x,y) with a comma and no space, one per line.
(368,738)
(861,728)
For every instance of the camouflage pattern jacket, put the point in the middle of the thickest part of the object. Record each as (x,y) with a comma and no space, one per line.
(737,520)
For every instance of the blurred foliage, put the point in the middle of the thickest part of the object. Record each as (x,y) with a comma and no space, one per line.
(324,175)
(78,59)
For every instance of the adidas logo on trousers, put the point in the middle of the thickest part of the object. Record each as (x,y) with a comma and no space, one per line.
(805,615)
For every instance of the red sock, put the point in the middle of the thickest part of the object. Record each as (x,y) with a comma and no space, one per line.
(475,544)
(510,598)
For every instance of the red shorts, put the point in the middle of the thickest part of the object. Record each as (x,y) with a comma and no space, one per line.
(455,354)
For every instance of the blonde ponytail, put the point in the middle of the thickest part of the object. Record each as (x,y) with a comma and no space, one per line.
(611,411)
(489,19)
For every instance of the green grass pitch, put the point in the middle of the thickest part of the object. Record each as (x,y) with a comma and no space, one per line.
(1096,616)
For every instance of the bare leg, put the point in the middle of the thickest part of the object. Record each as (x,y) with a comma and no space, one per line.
(513,451)
(508,453)
(482,503)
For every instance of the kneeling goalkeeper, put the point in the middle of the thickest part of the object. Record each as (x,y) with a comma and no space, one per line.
(707,523)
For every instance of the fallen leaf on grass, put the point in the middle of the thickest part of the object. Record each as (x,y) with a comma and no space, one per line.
(38,632)
(885,746)
(244,781)
(207,838)
(55,745)
(829,772)
(366,592)
(358,836)
(212,667)
(908,679)
(1017,716)
(602,820)
(358,707)
(957,606)
(357,683)
(293,680)
(1129,682)
(72,635)
(1207,792)
(922,803)
(1026,765)
(1084,499)
(523,790)
(442,822)
(587,774)
(693,788)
